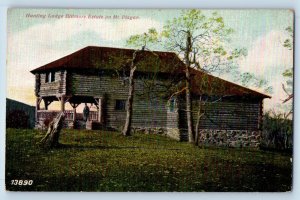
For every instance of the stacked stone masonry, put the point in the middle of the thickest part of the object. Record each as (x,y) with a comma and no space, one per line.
(230,138)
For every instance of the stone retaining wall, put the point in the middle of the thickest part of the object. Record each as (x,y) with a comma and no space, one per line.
(230,138)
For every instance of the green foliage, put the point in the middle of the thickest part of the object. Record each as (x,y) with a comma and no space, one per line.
(248,79)
(289,29)
(288,76)
(107,161)
(288,73)
(220,50)
(236,53)
(277,131)
(288,43)
(143,40)
(210,37)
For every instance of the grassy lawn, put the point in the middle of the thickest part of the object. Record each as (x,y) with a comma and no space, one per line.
(107,161)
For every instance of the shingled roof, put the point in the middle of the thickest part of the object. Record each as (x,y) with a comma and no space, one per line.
(107,58)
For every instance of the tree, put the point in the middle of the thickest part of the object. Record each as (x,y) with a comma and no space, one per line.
(202,41)
(248,79)
(141,58)
(206,89)
(288,74)
(288,86)
(142,41)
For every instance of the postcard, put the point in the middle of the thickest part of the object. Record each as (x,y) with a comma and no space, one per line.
(150,100)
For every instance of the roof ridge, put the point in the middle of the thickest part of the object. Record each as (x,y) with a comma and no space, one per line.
(125,48)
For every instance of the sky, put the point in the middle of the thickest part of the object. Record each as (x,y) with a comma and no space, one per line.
(39,36)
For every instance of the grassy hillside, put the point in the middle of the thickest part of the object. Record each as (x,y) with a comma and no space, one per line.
(107,161)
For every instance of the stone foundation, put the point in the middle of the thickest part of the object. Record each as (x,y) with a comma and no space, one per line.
(230,138)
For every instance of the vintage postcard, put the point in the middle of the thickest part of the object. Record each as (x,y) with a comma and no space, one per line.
(148,100)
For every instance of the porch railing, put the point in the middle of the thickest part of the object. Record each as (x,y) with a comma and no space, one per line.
(43,115)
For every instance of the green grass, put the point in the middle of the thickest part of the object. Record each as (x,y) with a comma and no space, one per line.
(107,161)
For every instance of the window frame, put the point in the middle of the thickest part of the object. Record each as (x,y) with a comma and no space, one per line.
(172,105)
(52,74)
(47,77)
(120,104)
(50,77)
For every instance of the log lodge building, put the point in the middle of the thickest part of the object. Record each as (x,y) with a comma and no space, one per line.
(231,115)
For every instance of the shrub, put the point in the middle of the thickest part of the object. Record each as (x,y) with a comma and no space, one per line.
(277,132)
(17,119)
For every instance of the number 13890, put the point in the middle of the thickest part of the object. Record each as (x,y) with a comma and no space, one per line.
(21,182)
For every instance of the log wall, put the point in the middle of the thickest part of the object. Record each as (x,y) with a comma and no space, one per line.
(225,115)
(148,109)
(57,87)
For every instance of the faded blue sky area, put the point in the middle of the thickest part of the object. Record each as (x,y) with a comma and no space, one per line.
(35,41)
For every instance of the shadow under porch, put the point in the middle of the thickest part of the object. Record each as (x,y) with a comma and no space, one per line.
(74,117)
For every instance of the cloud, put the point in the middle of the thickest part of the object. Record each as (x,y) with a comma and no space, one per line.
(43,43)
(267,58)
(267,53)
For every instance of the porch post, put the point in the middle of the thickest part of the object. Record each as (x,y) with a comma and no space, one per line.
(74,106)
(74,114)
(37,107)
(100,110)
(62,103)
(38,101)
(46,104)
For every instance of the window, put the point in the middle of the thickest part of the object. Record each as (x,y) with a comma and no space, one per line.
(172,105)
(50,77)
(120,104)
(47,77)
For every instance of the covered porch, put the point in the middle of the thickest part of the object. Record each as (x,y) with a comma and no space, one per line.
(73,118)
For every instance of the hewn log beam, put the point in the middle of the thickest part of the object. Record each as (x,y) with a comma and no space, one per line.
(100,110)
(74,106)
(38,101)
(99,102)
(47,103)
(62,103)
(37,107)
